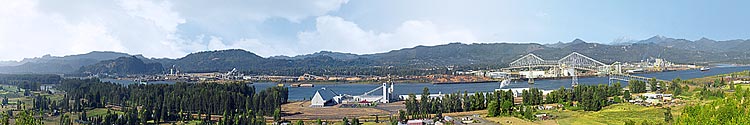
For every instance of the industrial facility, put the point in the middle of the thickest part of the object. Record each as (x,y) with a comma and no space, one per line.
(319,100)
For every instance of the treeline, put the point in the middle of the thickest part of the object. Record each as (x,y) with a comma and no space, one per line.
(37,78)
(593,98)
(208,98)
(351,70)
(237,102)
(455,102)
(29,81)
(92,93)
(501,103)
(589,97)
(133,116)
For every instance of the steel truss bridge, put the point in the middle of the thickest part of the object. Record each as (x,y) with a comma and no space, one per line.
(574,61)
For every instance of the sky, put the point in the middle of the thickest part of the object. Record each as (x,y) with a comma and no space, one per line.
(175,28)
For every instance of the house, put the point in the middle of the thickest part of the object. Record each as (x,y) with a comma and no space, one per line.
(740,82)
(654,99)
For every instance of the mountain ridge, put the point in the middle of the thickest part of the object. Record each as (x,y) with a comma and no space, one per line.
(421,58)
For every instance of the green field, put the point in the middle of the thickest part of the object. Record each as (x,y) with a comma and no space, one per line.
(10,91)
(615,114)
(100,111)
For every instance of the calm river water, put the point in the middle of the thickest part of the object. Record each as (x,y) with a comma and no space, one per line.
(406,88)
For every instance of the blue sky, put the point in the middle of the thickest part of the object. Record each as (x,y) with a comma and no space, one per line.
(174,28)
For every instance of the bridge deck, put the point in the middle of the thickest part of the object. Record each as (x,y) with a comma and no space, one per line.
(626,77)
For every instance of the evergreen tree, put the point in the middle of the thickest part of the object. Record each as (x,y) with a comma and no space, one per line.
(345,121)
(424,101)
(506,107)
(492,109)
(401,115)
(355,121)
(653,83)
(668,115)
(626,95)
(277,115)
(83,116)
(143,117)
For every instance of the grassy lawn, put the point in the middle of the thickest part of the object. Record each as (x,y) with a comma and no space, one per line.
(614,114)
(511,120)
(100,111)
(743,86)
(195,122)
(9,91)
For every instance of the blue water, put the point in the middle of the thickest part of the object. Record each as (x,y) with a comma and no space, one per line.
(407,88)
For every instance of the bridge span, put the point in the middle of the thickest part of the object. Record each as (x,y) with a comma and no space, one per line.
(569,64)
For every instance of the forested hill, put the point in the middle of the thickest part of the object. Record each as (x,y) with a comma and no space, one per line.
(58,65)
(483,55)
(416,60)
(123,66)
(225,60)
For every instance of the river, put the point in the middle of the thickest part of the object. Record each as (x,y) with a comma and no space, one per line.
(301,93)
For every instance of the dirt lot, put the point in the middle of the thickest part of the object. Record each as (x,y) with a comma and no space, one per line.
(302,111)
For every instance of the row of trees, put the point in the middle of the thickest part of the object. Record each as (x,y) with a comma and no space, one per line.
(455,102)
(30,78)
(237,102)
(500,103)
(29,81)
(593,98)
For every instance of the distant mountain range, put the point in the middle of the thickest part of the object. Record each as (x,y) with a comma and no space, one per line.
(123,66)
(412,60)
(57,65)
(334,55)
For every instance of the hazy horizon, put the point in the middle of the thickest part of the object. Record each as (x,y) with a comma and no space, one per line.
(172,29)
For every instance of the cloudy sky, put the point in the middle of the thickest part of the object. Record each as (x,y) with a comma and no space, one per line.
(174,28)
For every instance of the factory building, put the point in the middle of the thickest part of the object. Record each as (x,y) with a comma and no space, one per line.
(319,100)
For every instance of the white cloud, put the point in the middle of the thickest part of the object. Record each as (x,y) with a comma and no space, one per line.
(154,28)
(174,28)
(34,28)
(337,34)
(256,10)
(26,32)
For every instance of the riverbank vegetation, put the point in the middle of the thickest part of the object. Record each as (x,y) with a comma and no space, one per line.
(502,103)
(90,101)
(696,100)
